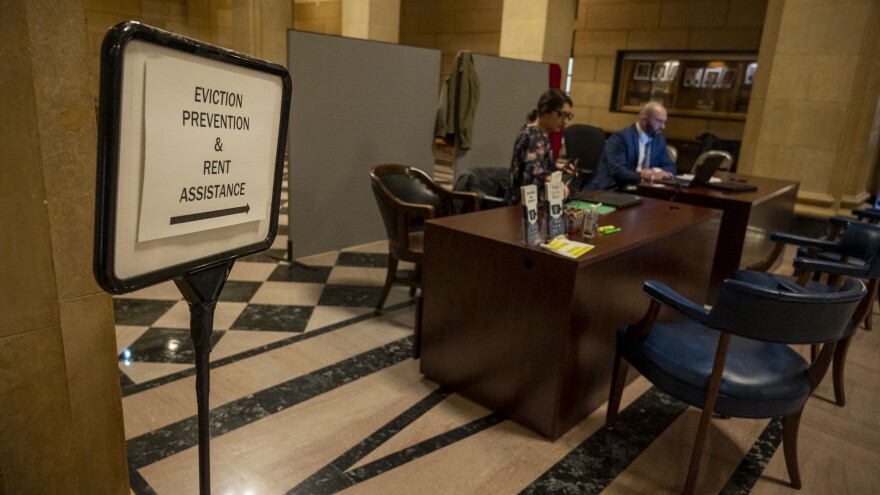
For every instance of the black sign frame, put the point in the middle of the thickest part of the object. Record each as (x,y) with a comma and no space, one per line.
(109,118)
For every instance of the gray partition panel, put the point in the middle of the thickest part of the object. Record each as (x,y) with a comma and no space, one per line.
(509,89)
(355,104)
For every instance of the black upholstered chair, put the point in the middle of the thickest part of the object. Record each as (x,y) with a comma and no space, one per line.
(855,252)
(870,215)
(583,146)
(735,359)
(490,184)
(407,197)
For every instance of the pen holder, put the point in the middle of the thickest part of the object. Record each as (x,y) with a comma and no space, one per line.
(591,224)
(574,223)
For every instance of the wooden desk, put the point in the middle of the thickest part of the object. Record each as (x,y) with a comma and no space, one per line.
(531,334)
(749,218)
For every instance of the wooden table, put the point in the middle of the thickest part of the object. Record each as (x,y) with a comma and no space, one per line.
(529,333)
(748,220)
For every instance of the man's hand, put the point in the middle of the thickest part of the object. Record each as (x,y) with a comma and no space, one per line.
(649,174)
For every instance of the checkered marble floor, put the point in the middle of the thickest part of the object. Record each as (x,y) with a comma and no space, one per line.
(265,300)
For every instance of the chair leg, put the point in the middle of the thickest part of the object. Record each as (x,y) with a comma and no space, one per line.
(869,318)
(417,279)
(837,370)
(618,379)
(697,454)
(417,334)
(389,281)
(790,425)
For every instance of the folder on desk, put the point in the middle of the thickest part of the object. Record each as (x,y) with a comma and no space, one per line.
(615,199)
(732,186)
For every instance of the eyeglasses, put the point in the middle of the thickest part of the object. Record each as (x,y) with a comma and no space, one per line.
(565,115)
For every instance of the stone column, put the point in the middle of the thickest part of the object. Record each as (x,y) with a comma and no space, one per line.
(61,428)
(371,19)
(813,115)
(259,28)
(538,30)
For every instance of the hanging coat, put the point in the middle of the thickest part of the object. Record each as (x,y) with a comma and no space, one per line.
(459,96)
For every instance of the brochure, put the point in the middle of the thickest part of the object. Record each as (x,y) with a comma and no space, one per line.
(555,218)
(569,249)
(531,226)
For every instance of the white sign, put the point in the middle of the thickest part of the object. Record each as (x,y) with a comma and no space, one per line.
(208,154)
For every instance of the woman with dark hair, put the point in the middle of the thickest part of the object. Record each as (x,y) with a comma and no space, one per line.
(533,159)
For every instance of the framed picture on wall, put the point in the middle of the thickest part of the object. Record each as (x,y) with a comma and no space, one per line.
(693,77)
(712,77)
(690,83)
(671,70)
(642,71)
(727,78)
(659,73)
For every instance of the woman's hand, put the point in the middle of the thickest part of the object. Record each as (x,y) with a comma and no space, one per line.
(566,167)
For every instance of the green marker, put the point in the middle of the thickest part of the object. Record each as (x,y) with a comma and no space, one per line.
(612,231)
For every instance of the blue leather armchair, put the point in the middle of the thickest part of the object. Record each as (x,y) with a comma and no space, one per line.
(855,252)
(735,359)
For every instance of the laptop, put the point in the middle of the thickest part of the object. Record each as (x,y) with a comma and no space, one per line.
(733,186)
(615,199)
(702,176)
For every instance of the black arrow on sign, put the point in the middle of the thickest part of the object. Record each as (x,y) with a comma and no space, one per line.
(210,214)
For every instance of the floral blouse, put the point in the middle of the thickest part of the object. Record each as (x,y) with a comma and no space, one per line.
(532,161)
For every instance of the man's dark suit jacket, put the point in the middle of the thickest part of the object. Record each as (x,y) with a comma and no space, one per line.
(617,166)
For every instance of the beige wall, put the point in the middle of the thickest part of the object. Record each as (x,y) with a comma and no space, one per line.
(603,27)
(377,20)
(318,16)
(254,27)
(451,26)
(538,30)
(816,104)
(60,408)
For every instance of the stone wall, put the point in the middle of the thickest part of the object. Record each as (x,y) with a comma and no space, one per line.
(451,26)
(318,16)
(61,427)
(815,115)
(603,27)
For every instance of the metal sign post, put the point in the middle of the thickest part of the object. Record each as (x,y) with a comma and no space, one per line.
(201,290)
(190,163)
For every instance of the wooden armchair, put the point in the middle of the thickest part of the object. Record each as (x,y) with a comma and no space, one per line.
(407,197)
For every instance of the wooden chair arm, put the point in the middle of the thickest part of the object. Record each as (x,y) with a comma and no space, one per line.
(641,329)
(468,200)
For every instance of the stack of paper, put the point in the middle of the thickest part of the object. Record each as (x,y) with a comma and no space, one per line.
(569,249)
